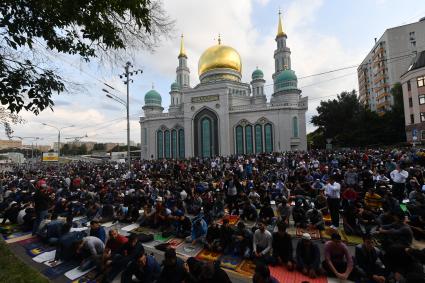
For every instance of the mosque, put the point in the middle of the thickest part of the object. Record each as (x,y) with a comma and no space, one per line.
(222,115)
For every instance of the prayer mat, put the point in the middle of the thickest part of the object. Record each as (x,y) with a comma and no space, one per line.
(107,224)
(327,218)
(160,238)
(58,270)
(30,240)
(76,273)
(37,251)
(283,275)
(233,219)
(52,263)
(175,242)
(20,238)
(189,250)
(299,277)
(47,256)
(144,230)
(351,239)
(33,245)
(329,231)
(130,227)
(206,255)
(14,235)
(230,262)
(247,267)
(314,233)
(152,244)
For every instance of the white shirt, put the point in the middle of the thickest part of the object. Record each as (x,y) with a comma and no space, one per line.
(333,190)
(399,176)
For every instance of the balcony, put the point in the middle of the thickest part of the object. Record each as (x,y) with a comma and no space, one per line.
(377,52)
(382,95)
(383,105)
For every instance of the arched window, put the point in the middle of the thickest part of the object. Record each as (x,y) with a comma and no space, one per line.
(295,127)
(174,143)
(159,144)
(249,147)
(206,137)
(181,143)
(167,144)
(268,137)
(258,139)
(239,140)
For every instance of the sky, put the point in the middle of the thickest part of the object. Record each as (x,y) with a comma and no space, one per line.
(323,35)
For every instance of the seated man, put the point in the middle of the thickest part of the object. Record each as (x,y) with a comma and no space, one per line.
(282,247)
(91,250)
(181,223)
(52,230)
(174,270)
(338,261)
(66,248)
(308,256)
(262,243)
(366,262)
(299,213)
(315,220)
(249,212)
(212,238)
(266,214)
(145,268)
(226,234)
(147,219)
(129,252)
(114,244)
(397,232)
(242,241)
(199,231)
(161,217)
(284,211)
(96,230)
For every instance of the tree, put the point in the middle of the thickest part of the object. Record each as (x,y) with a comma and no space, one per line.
(349,123)
(7,119)
(106,29)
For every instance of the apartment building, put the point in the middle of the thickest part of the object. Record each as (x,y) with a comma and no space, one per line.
(387,61)
(4,144)
(413,83)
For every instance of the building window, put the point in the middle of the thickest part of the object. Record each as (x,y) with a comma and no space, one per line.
(249,147)
(258,139)
(422,116)
(145,136)
(423,135)
(268,137)
(181,143)
(159,144)
(410,102)
(412,119)
(295,127)
(206,137)
(413,43)
(239,140)
(421,81)
(174,143)
(412,35)
(422,99)
(409,86)
(167,144)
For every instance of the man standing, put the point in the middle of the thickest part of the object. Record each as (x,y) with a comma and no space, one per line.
(333,197)
(41,206)
(399,177)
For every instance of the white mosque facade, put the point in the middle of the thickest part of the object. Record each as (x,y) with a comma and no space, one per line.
(223,115)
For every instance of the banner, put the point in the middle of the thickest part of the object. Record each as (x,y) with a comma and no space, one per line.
(50,157)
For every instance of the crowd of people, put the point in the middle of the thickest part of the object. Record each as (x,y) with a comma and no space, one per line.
(378,195)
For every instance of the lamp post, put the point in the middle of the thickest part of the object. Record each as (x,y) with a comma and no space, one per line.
(59,136)
(32,143)
(126,103)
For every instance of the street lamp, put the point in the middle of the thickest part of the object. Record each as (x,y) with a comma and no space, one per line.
(32,145)
(59,135)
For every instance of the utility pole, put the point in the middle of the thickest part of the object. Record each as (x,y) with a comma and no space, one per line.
(127,80)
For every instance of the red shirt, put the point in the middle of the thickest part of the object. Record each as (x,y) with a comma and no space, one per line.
(115,244)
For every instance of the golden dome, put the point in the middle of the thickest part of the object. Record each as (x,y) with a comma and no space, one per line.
(219,56)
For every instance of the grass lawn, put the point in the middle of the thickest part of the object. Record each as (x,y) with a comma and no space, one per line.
(12,269)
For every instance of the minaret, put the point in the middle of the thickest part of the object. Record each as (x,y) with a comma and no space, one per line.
(282,55)
(182,70)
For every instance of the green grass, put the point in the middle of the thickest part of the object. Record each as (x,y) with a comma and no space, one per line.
(12,269)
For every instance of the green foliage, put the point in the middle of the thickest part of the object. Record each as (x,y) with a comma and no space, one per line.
(73,149)
(87,29)
(99,147)
(348,123)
